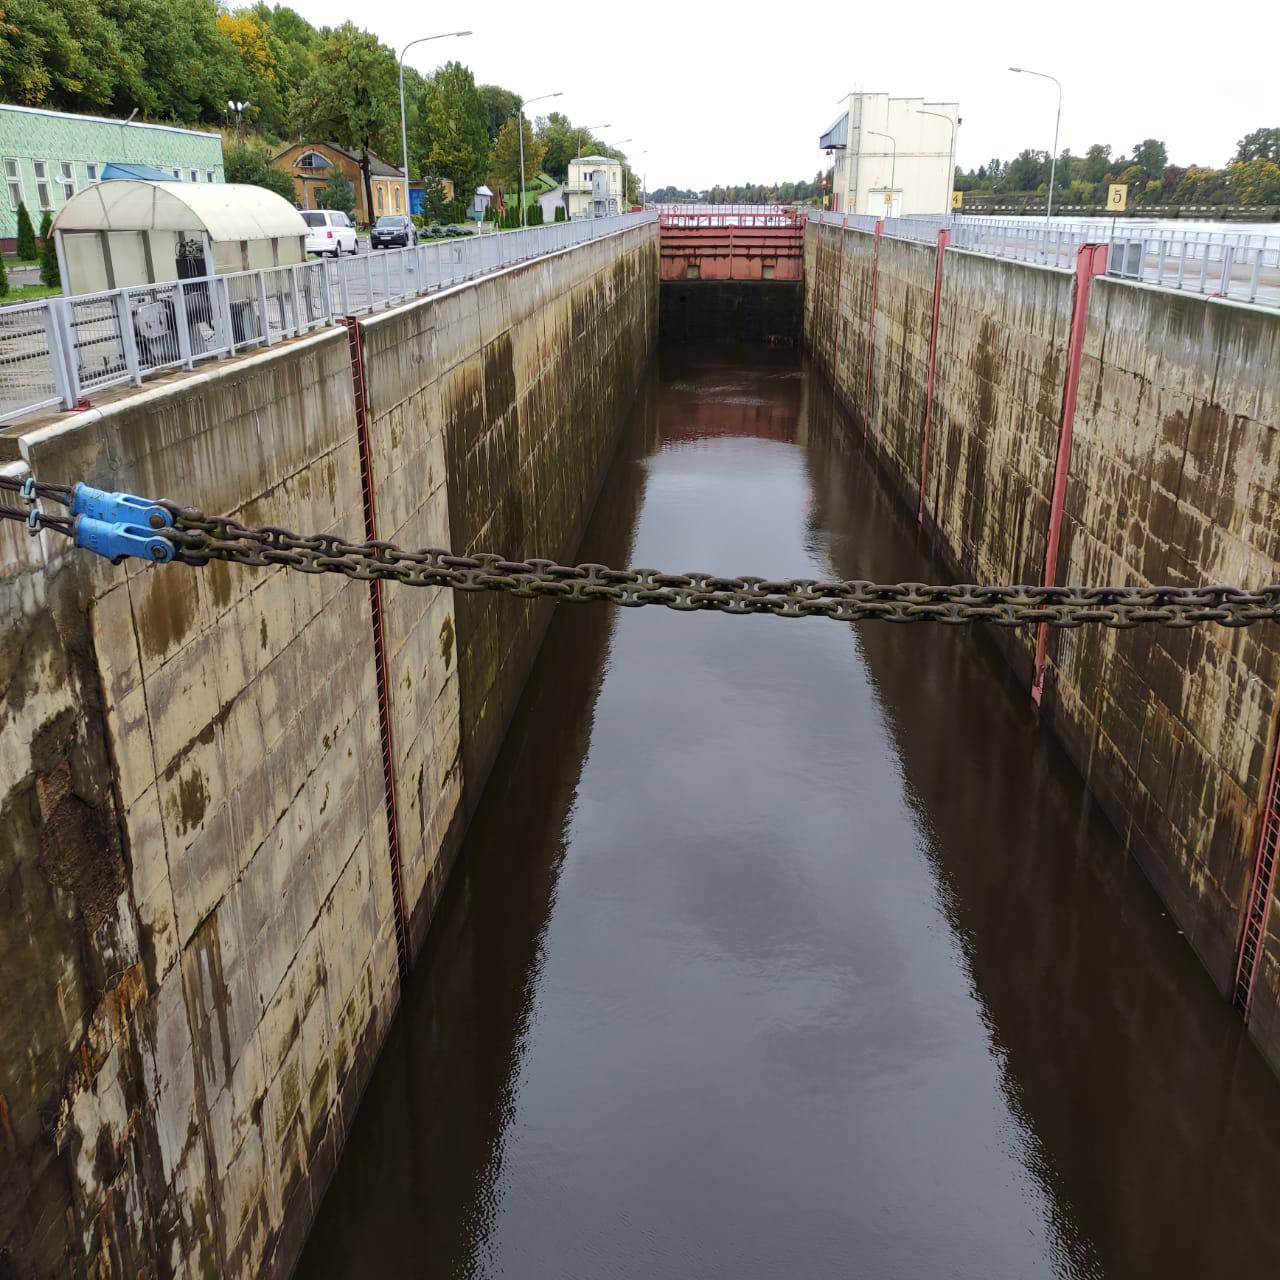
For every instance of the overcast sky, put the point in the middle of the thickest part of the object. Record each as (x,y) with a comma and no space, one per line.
(719,92)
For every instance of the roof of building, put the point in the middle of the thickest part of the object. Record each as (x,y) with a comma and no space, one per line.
(132,124)
(837,135)
(225,210)
(146,172)
(597,160)
(378,167)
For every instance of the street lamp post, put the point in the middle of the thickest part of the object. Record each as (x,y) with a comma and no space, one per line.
(404,131)
(951,167)
(1053,159)
(237,107)
(520,130)
(893,162)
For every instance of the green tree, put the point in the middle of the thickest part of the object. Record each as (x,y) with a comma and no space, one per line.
(505,162)
(1261,144)
(251,163)
(534,217)
(1097,160)
(1151,156)
(4,279)
(500,105)
(353,96)
(1027,171)
(26,235)
(562,214)
(338,193)
(454,139)
(50,276)
(560,140)
(1255,181)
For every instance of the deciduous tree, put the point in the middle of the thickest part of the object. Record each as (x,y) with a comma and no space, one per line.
(454,139)
(353,97)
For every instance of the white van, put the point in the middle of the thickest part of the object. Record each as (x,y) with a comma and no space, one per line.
(329,231)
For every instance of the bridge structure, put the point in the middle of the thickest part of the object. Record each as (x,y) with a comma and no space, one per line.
(237,784)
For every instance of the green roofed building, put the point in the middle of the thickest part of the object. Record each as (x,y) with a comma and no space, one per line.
(47,156)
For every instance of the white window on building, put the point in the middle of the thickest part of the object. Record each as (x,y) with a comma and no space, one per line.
(67,179)
(42,184)
(92,170)
(208,176)
(177,173)
(13,180)
(195,175)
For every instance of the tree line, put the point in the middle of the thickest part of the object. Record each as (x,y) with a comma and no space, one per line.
(802,192)
(1252,177)
(182,61)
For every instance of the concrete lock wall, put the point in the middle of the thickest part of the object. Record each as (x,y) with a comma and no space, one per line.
(201,928)
(1172,480)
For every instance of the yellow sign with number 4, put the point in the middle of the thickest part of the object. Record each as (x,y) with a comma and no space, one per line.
(1117,197)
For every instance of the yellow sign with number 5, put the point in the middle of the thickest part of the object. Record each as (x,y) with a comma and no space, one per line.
(1117,197)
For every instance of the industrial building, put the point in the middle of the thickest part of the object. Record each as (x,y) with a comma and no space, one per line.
(594,188)
(892,156)
(50,155)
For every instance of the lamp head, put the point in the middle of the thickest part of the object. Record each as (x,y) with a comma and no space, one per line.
(1018,69)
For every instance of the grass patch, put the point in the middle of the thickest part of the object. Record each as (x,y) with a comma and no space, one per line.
(28,293)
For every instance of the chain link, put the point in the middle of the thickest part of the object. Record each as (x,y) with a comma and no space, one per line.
(200,538)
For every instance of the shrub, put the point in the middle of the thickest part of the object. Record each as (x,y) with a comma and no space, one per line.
(338,194)
(251,164)
(50,276)
(535,218)
(562,214)
(26,235)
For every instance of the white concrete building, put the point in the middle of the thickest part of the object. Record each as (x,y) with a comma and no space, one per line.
(594,187)
(891,156)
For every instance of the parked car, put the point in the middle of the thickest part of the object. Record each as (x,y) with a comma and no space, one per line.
(394,229)
(329,231)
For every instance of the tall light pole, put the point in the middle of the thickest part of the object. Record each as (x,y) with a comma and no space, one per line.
(643,177)
(520,130)
(893,163)
(1053,159)
(404,131)
(951,168)
(232,105)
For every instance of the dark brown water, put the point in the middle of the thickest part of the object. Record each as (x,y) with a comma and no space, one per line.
(792,949)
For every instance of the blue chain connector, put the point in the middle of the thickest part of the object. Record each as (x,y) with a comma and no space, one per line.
(118,508)
(118,541)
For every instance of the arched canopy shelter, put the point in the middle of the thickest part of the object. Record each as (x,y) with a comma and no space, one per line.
(122,233)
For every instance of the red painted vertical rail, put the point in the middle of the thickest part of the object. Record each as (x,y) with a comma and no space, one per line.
(1091,260)
(1258,904)
(944,238)
(835,362)
(360,390)
(871,323)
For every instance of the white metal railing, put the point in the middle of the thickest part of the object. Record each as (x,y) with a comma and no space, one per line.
(53,353)
(1244,265)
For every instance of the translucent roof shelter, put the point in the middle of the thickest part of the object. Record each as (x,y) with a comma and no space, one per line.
(130,232)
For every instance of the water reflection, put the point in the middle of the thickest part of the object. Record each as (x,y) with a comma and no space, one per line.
(789,948)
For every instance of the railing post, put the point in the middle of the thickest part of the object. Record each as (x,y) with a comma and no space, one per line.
(60,353)
(943,239)
(264,320)
(128,339)
(1091,261)
(182,320)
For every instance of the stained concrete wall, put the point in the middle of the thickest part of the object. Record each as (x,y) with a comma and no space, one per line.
(194,849)
(1173,476)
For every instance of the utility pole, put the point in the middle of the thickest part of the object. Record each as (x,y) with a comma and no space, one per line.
(404,131)
(524,220)
(1053,158)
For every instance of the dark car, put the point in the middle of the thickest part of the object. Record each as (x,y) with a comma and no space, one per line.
(393,229)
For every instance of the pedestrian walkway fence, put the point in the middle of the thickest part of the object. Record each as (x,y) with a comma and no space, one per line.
(54,353)
(1244,265)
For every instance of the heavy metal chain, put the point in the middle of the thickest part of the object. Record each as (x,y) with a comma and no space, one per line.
(199,538)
